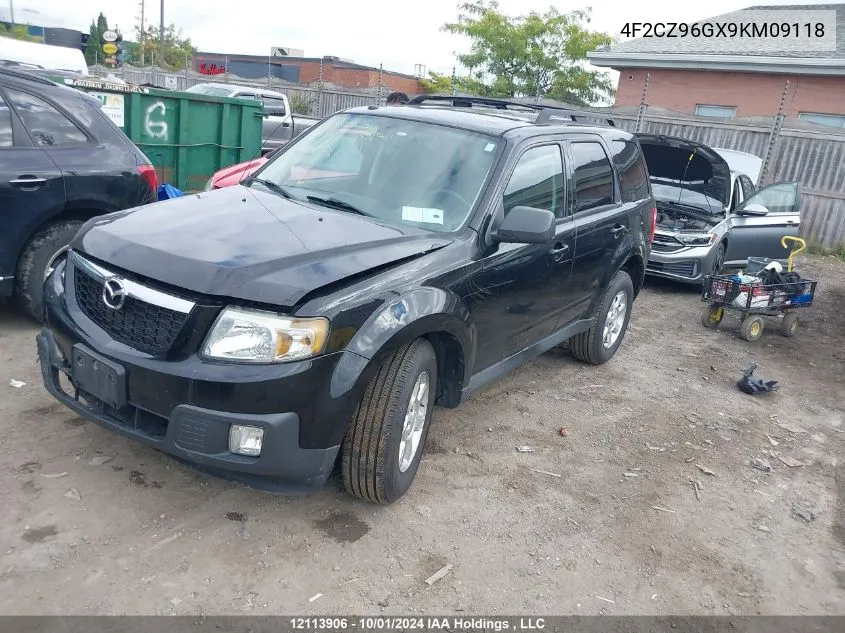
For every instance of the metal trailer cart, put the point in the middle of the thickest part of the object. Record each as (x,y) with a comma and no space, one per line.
(755,300)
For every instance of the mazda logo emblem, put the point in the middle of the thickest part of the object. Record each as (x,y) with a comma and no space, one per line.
(114,293)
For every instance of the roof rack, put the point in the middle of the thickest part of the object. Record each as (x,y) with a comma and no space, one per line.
(547,114)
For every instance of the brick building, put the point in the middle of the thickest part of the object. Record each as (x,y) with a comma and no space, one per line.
(306,70)
(738,77)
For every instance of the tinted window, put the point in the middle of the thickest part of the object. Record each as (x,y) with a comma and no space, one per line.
(593,176)
(5,125)
(274,102)
(537,181)
(632,170)
(46,124)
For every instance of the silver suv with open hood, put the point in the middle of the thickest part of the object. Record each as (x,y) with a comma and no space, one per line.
(709,216)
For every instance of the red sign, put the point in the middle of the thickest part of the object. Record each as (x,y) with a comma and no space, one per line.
(211,69)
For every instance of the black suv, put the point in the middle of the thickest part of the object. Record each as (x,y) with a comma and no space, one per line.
(388,260)
(62,162)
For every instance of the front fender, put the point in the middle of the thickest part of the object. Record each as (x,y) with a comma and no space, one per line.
(397,322)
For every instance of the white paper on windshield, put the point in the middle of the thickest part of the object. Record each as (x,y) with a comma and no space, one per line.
(422,214)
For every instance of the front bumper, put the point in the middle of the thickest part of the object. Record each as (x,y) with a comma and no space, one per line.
(688,265)
(185,407)
(200,436)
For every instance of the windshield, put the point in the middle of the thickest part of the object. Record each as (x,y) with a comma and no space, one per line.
(673,192)
(395,170)
(214,91)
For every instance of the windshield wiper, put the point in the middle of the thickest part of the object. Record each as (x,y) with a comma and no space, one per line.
(272,186)
(335,203)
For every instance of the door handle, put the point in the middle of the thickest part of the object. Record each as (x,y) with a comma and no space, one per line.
(559,251)
(28,180)
(618,230)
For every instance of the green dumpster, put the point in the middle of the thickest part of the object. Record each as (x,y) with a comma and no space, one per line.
(187,136)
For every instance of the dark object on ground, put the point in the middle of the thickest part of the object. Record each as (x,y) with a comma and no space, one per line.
(753,384)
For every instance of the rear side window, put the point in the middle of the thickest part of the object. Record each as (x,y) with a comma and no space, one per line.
(47,126)
(537,181)
(592,176)
(6,139)
(275,102)
(632,170)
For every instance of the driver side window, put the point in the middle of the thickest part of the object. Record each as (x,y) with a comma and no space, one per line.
(537,181)
(777,198)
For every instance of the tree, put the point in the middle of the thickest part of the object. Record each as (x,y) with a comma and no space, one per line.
(18,32)
(94,47)
(443,84)
(532,55)
(176,48)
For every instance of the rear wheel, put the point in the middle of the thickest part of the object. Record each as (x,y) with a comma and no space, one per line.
(752,327)
(384,443)
(40,256)
(789,324)
(712,316)
(609,323)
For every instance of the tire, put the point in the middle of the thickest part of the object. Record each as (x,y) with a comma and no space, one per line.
(371,449)
(712,317)
(588,347)
(752,328)
(789,324)
(39,252)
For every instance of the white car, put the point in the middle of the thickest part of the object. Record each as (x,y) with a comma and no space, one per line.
(710,215)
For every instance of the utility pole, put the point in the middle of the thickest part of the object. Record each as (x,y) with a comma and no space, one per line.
(161,38)
(141,32)
(12,11)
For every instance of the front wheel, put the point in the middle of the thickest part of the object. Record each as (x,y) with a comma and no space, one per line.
(384,443)
(712,317)
(42,254)
(752,328)
(609,323)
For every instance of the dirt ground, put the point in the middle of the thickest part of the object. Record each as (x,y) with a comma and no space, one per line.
(619,531)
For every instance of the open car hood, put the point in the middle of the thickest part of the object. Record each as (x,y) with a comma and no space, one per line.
(668,157)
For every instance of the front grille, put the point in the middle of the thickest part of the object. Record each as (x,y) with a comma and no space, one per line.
(680,269)
(665,244)
(144,326)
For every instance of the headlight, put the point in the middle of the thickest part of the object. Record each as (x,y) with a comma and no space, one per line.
(696,240)
(252,336)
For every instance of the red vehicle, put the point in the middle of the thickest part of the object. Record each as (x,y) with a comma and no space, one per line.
(335,166)
(233,174)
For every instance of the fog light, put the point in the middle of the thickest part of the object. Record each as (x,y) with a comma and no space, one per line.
(245,440)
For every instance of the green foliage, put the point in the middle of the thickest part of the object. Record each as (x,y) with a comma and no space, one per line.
(94,47)
(176,48)
(300,104)
(437,83)
(531,55)
(18,32)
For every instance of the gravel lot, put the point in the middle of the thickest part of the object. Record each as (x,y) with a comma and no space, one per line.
(620,531)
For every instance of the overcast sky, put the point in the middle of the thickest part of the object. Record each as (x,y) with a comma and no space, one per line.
(397,33)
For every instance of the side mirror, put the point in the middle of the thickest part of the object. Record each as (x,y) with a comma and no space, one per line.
(754,209)
(271,111)
(526,225)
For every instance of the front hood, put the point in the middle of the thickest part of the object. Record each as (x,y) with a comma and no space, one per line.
(668,158)
(234,174)
(247,244)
